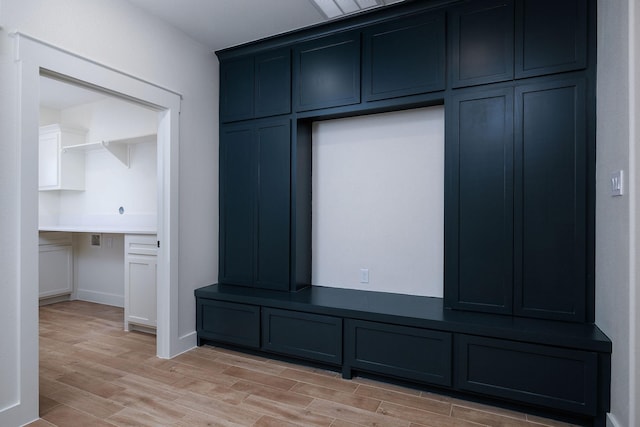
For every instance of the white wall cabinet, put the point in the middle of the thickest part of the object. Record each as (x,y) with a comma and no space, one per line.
(55,264)
(140,271)
(58,168)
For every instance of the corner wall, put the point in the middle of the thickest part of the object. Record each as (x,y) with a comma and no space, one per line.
(616,233)
(118,35)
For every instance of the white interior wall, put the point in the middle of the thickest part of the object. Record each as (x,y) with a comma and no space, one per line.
(116,34)
(99,271)
(616,233)
(378,202)
(108,183)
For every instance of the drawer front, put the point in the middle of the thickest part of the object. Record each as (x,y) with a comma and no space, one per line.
(228,322)
(535,374)
(141,244)
(306,335)
(404,352)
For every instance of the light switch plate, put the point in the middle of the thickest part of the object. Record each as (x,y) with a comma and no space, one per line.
(617,183)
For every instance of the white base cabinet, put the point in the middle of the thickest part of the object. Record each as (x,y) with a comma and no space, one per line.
(55,264)
(140,272)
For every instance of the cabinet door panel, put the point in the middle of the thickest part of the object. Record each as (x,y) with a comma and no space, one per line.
(479,202)
(482,43)
(237,200)
(551,204)
(551,36)
(236,89)
(535,374)
(327,72)
(273,83)
(404,352)
(307,335)
(228,322)
(274,205)
(405,57)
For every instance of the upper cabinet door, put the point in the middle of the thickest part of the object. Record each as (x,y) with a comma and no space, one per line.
(404,57)
(327,72)
(253,87)
(481,47)
(551,36)
(236,89)
(273,83)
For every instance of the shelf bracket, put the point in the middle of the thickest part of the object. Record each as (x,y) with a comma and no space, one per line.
(119,151)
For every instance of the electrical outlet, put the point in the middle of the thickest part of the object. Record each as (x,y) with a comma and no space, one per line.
(364,275)
(96,240)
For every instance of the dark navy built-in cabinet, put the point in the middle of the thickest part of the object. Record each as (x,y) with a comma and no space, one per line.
(517,80)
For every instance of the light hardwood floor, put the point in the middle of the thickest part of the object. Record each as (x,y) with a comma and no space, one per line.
(92,373)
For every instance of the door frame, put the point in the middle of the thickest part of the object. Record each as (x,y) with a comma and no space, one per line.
(34,57)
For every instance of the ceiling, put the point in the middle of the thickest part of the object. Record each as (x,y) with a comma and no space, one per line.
(59,95)
(219,24)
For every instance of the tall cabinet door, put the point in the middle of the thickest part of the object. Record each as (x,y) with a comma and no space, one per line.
(479,202)
(551,204)
(274,147)
(238,164)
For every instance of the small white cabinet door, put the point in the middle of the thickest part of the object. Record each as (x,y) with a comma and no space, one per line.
(140,281)
(56,270)
(60,169)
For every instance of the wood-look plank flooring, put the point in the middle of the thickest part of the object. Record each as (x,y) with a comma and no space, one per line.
(92,373)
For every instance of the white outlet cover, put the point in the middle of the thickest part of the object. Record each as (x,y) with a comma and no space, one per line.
(617,183)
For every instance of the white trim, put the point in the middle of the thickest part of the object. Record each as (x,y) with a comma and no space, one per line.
(32,56)
(100,297)
(612,421)
(633,220)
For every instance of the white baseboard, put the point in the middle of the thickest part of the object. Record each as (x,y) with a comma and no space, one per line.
(612,421)
(100,297)
(185,343)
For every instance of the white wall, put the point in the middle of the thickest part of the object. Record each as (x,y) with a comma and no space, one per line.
(378,202)
(98,272)
(109,184)
(116,34)
(616,230)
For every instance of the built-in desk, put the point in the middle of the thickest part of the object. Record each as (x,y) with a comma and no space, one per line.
(560,368)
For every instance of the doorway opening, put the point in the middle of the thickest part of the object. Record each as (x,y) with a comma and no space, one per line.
(98,189)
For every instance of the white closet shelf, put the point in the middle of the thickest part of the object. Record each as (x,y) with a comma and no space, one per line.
(119,148)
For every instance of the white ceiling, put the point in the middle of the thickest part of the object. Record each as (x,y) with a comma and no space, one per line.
(59,95)
(219,24)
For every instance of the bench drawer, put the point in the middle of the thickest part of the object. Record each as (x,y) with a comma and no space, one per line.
(228,322)
(306,335)
(416,354)
(536,374)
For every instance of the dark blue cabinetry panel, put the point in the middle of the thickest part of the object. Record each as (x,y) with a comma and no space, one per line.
(255,167)
(404,57)
(309,336)
(551,36)
(551,200)
(327,72)
(554,377)
(400,351)
(238,175)
(228,322)
(479,201)
(255,86)
(481,42)
(273,83)
(236,89)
